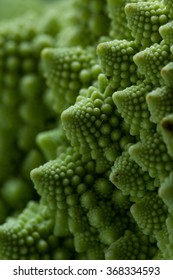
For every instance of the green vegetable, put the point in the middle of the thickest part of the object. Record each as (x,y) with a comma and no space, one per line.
(86,129)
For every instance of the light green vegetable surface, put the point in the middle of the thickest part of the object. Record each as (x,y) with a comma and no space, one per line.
(86,129)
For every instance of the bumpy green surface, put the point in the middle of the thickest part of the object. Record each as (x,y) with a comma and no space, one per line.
(86,129)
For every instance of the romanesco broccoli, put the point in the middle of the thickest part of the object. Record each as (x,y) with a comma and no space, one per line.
(86,129)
